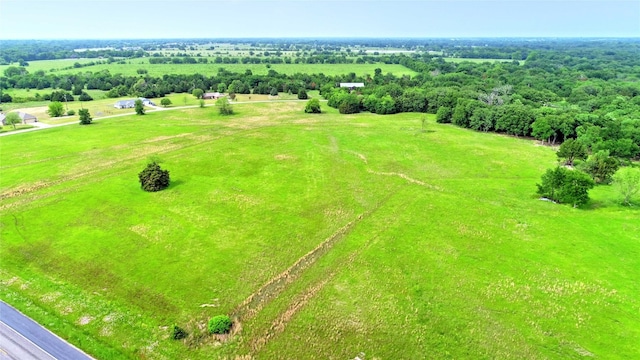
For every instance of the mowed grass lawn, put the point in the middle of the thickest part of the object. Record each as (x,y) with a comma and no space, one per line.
(132,66)
(427,244)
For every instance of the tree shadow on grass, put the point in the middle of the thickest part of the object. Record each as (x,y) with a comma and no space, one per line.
(175,183)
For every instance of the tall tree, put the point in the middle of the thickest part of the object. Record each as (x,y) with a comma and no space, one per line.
(571,150)
(139,107)
(85,117)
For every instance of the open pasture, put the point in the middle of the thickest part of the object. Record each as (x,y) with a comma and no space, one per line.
(324,236)
(131,67)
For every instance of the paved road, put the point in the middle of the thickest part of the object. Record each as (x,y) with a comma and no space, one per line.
(23,339)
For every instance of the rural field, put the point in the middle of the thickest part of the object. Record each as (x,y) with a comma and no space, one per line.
(65,66)
(322,236)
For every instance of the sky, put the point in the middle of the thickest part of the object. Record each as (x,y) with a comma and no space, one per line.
(139,19)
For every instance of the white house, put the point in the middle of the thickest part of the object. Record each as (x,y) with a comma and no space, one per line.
(351,85)
(125,104)
(130,104)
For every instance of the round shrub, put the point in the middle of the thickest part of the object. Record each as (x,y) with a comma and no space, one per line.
(219,324)
(153,178)
(71,112)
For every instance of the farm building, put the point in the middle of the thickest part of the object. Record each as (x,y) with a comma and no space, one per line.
(214,95)
(351,85)
(26,118)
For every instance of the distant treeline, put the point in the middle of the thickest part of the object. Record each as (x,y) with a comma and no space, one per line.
(22,51)
(584,90)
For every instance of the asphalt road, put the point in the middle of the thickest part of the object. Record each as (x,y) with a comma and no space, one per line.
(23,339)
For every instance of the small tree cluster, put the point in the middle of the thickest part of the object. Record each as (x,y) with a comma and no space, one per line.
(566,186)
(153,178)
(220,324)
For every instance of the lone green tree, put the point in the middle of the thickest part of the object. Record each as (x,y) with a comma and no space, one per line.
(12,119)
(223,106)
(165,102)
(85,117)
(153,178)
(197,93)
(56,109)
(565,186)
(571,150)
(627,182)
(313,107)
(139,107)
(302,94)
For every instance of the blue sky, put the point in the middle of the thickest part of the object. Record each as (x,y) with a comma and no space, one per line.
(82,19)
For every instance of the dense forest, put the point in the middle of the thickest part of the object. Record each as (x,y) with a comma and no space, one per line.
(552,90)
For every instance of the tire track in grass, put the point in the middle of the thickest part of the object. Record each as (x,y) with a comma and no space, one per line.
(280,323)
(250,307)
(276,285)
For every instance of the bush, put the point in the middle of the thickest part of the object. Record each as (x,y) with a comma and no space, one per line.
(313,107)
(302,94)
(219,324)
(85,97)
(71,112)
(178,333)
(56,109)
(153,178)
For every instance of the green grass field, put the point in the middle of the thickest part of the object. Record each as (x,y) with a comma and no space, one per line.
(324,236)
(476,61)
(131,67)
